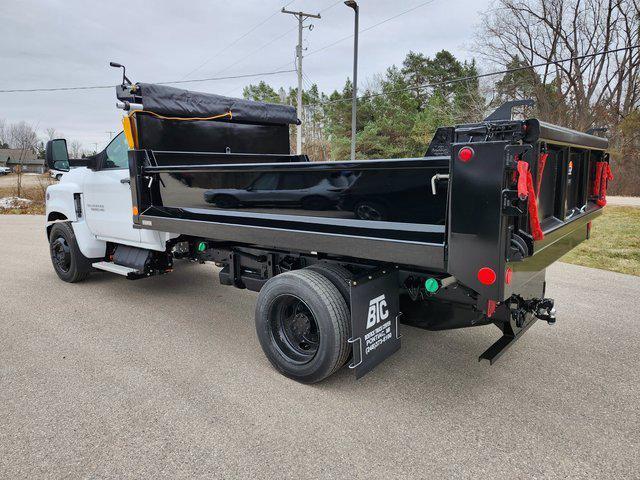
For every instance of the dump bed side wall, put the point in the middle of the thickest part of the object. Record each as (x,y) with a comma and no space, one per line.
(381,210)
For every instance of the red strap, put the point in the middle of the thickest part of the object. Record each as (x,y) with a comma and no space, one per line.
(526,190)
(523,170)
(596,179)
(534,221)
(542,161)
(605,175)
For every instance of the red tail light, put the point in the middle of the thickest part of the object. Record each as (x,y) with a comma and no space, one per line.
(465,154)
(486,276)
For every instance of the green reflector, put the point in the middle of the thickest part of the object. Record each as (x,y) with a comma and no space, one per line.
(431,284)
(202,246)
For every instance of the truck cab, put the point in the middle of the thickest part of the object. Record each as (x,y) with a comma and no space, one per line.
(94,194)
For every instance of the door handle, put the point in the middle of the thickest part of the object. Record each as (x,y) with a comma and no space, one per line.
(125,180)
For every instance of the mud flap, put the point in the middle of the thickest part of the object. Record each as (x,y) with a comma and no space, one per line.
(375,312)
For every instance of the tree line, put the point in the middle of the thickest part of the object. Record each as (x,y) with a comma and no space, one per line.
(25,137)
(397,117)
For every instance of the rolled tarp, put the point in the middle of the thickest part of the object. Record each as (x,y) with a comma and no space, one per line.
(171,101)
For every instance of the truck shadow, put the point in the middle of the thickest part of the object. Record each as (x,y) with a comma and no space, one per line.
(430,363)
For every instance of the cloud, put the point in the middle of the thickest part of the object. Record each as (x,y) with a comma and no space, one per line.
(51,43)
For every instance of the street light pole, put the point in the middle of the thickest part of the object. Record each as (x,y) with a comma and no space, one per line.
(356,9)
(301,16)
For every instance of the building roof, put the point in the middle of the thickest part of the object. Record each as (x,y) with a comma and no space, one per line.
(17,155)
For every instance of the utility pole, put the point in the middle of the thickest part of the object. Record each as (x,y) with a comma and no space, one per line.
(354,100)
(301,16)
(110,132)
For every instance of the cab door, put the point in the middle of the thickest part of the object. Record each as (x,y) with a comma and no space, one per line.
(107,195)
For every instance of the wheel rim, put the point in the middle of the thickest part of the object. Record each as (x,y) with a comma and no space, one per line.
(61,254)
(367,212)
(294,329)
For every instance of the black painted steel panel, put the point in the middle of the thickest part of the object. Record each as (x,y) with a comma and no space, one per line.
(416,254)
(556,133)
(394,193)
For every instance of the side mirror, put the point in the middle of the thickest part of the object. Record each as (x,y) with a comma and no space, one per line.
(56,155)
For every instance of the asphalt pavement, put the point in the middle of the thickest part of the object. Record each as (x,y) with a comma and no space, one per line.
(164,378)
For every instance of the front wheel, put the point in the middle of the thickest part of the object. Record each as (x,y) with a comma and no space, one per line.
(68,261)
(302,322)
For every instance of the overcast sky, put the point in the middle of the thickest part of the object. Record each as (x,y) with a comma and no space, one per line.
(60,43)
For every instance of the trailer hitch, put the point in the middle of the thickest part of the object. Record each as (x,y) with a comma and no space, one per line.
(522,315)
(541,308)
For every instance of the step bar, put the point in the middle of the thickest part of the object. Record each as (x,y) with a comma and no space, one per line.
(118,269)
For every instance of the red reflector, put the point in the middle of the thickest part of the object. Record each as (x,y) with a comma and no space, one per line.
(507,276)
(486,276)
(465,154)
(491,308)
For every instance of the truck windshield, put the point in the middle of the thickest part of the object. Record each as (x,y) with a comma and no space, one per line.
(116,153)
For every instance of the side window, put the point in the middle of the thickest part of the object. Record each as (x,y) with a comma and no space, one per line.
(117,153)
(268,181)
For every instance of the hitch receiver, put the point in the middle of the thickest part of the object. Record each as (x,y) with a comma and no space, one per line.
(522,314)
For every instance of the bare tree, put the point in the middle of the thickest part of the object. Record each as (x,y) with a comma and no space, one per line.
(75,149)
(51,133)
(23,137)
(592,89)
(4,141)
(537,31)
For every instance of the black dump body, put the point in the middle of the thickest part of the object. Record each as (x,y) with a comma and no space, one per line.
(234,181)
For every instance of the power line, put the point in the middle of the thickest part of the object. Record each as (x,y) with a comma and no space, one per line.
(263,46)
(370,27)
(262,74)
(475,77)
(244,35)
(172,82)
(329,7)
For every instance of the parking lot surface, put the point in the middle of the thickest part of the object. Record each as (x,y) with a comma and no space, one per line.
(164,378)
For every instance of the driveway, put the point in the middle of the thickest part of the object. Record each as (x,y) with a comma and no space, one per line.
(164,378)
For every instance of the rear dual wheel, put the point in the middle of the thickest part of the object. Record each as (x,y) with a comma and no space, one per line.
(303,324)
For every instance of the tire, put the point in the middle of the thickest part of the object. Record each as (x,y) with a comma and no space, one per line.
(67,259)
(373,211)
(302,322)
(338,275)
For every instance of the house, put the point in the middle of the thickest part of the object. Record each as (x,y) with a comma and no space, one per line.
(14,157)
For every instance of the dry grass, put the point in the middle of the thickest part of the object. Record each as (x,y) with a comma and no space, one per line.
(614,244)
(34,189)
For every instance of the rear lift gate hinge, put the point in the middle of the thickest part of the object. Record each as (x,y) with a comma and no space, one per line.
(513,153)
